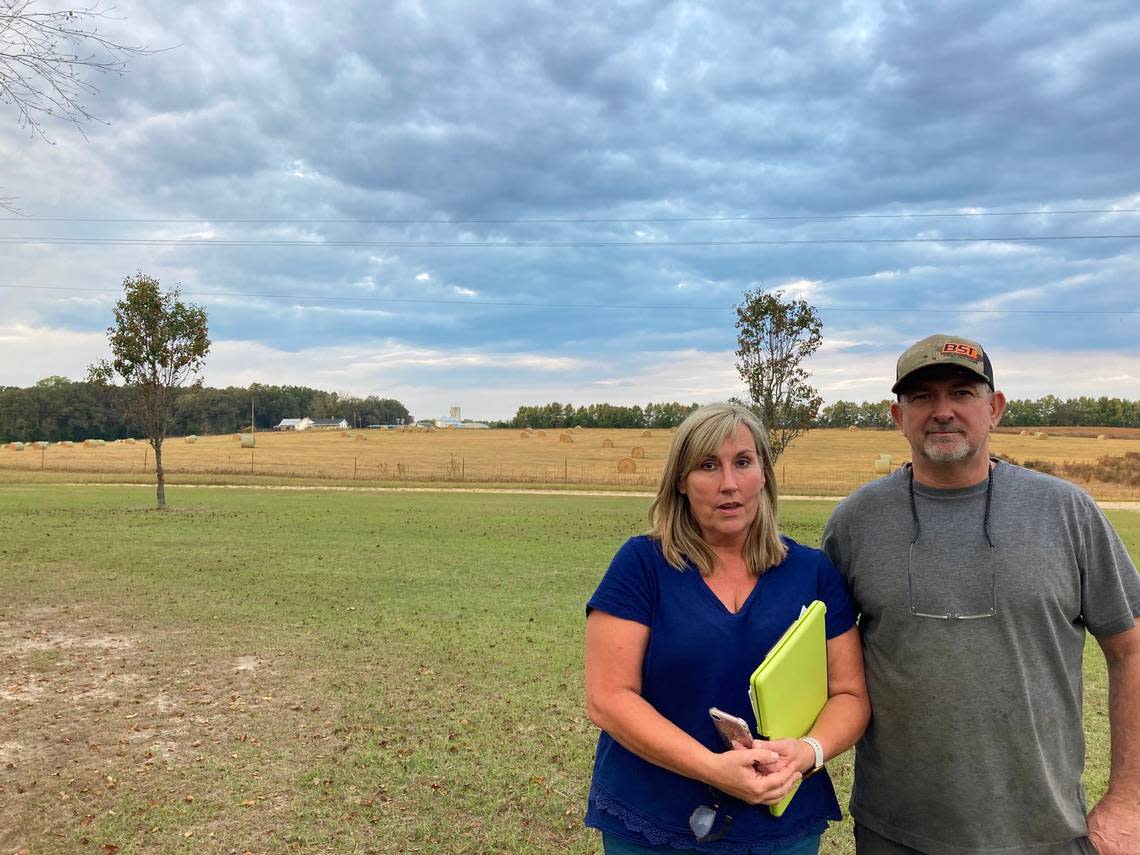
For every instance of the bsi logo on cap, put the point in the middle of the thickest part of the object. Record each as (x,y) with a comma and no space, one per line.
(956,348)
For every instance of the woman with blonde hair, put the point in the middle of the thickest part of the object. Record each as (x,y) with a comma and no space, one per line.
(682,617)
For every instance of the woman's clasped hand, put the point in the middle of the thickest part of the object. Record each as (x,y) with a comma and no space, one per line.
(761,775)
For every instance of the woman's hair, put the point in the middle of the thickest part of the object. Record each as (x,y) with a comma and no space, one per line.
(670,517)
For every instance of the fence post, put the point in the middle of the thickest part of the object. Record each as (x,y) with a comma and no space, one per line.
(146,453)
(251,462)
(43,457)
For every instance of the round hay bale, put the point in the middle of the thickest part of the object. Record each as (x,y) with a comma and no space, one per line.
(129,440)
(853,427)
(40,443)
(637,452)
(90,443)
(578,427)
(67,443)
(626,466)
(191,439)
(607,443)
(248,440)
(16,446)
(525,434)
(1023,433)
(886,457)
(647,433)
(882,467)
(1101,436)
(565,437)
(1040,435)
(541,434)
(360,437)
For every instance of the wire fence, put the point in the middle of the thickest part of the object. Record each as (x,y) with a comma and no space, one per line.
(822,475)
(793,480)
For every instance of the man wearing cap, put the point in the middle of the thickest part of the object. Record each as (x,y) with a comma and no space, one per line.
(976,581)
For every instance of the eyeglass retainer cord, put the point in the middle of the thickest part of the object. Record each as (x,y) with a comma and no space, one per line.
(985,519)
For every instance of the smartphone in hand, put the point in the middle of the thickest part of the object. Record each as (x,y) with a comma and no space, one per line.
(731,728)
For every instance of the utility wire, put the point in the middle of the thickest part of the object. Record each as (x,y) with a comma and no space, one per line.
(65,241)
(583,220)
(302,298)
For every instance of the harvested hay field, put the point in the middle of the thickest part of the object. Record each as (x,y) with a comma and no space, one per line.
(822,462)
(1077,432)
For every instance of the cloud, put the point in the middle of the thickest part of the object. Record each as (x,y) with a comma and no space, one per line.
(464,175)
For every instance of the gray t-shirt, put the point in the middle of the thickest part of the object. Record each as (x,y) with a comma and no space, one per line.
(975,743)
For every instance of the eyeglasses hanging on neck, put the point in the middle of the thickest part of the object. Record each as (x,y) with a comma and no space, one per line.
(952,580)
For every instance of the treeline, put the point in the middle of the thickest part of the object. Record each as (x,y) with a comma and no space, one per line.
(556,415)
(1072,412)
(58,409)
(1049,411)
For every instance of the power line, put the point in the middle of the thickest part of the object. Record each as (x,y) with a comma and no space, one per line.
(342,244)
(582,220)
(512,304)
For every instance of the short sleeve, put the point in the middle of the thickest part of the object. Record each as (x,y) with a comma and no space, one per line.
(833,591)
(832,540)
(629,588)
(1110,586)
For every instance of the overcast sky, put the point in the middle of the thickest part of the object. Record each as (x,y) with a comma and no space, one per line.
(503,203)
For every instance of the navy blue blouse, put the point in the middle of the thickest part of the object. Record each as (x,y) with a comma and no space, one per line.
(701,655)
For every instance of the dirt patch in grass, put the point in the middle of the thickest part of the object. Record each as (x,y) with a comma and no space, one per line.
(121,735)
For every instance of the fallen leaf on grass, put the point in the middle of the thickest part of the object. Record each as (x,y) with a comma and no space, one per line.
(248,803)
(109,848)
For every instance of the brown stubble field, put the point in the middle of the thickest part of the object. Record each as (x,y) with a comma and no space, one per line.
(822,462)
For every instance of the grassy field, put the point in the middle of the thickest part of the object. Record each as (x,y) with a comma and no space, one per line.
(279,671)
(822,462)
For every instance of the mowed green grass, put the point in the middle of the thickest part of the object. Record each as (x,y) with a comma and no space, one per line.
(412,676)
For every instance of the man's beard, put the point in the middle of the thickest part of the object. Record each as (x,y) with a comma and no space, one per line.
(935,449)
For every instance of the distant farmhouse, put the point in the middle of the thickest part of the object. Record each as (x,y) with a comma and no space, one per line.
(311,424)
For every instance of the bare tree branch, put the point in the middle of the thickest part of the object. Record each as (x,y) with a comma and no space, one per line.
(46,59)
(8,203)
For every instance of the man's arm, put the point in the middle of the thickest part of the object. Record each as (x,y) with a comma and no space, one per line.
(1114,824)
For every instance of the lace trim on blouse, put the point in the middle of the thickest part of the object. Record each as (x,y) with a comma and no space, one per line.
(655,836)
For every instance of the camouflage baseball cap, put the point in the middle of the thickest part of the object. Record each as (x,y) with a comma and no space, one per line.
(940,349)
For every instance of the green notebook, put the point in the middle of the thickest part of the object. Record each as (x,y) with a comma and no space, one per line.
(789,687)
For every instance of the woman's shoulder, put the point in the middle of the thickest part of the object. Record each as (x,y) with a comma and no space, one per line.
(801,557)
(799,552)
(642,544)
(641,548)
